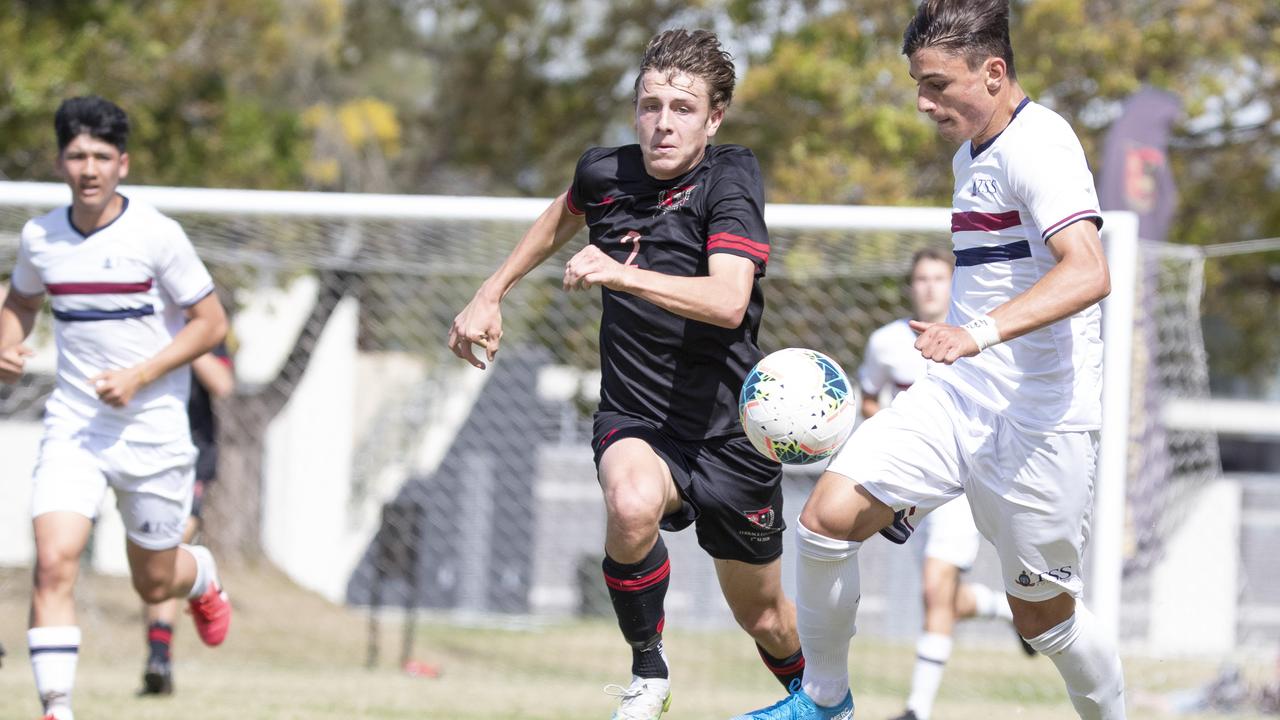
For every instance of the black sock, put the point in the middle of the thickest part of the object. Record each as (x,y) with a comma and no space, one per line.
(788,670)
(637,592)
(159,638)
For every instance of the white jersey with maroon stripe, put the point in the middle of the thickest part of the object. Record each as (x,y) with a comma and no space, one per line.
(1012,194)
(117,296)
(892,362)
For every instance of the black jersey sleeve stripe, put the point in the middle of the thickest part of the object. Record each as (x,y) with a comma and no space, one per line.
(729,241)
(568,202)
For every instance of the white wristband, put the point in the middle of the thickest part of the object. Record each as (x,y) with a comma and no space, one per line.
(984,332)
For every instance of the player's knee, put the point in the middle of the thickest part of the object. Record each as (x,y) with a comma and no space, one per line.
(1032,619)
(759,621)
(151,589)
(632,510)
(55,570)
(937,595)
(817,521)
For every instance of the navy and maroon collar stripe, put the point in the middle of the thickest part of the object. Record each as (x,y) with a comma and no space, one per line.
(123,208)
(976,150)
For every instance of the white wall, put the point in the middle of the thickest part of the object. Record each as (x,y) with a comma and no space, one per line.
(306,528)
(19,442)
(1195,587)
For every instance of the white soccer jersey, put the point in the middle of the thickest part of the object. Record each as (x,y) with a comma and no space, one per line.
(892,362)
(117,296)
(1012,194)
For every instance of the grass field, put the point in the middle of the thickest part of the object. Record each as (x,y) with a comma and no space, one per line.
(291,655)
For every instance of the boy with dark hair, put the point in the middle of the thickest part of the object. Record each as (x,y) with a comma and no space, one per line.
(132,306)
(1009,412)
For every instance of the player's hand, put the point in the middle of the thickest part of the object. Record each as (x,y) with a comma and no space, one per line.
(13,361)
(591,267)
(479,323)
(117,387)
(943,343)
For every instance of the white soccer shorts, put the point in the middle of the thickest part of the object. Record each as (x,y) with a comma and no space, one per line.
(950,535)
(153,483)
(1030,493)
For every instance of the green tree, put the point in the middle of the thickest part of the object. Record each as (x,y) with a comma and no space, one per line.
(830,109)
(202,83)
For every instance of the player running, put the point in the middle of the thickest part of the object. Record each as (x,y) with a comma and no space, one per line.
(892,364)
(678,245)
(120,277)
(211,377)
(1009,412)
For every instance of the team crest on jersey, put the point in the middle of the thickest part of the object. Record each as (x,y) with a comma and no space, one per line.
(762,518)
(675,198)
(983,186)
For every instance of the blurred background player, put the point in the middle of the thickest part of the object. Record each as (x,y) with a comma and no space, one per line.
(212,377)
(678,243)
(121,278)
(892,364)
(1010,410)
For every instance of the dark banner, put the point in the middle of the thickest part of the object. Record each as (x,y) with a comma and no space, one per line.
(1135,162)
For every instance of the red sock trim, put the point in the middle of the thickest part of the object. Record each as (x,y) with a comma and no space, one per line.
(644,582)
(780,670)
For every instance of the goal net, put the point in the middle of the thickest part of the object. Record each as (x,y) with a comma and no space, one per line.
(370,465)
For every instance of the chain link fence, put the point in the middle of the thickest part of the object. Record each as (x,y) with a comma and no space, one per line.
(370,465)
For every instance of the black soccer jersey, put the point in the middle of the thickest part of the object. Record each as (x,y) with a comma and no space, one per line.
(204,426)
(682,374)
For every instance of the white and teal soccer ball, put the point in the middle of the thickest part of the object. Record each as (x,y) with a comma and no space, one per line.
(796,406)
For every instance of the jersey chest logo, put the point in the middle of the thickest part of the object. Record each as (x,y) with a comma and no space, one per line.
(982,186)
(675,198)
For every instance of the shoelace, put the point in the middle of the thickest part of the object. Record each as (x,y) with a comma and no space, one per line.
(616,690)
(627,694)
(210,605)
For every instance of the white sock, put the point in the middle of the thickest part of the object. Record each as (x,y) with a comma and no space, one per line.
(827,595)
(932,652)
(54,651)
(989,603)
(206,569)
(1089,664)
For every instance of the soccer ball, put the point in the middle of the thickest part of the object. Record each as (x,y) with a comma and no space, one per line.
(796,406)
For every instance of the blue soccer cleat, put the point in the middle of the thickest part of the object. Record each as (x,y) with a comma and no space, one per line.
(799,706)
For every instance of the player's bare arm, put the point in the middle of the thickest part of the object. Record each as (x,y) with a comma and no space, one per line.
(215,374)
(1079,280)
(480,322)
(206,327)
(719,298)
(870,405)
(17,317)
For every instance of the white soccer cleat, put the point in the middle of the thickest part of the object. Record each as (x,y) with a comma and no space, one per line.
(646,699)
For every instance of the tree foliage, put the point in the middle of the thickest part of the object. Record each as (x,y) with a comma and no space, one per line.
(501,96)
(199,81)
(830,110)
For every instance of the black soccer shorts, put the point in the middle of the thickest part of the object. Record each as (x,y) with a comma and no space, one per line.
(732,494)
